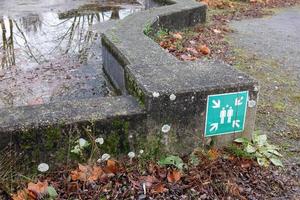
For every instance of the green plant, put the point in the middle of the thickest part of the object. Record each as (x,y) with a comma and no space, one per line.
(175,161)
(194,159)
(81,144)
(261,150)
(237,151)
(162,32)
(52,192)
(148,30)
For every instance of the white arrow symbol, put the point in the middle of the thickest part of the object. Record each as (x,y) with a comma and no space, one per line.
(238,101)
(217,104)
(213,127)
(235,123)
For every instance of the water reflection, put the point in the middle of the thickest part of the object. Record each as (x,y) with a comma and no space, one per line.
(7,46)
(53,53)
(37,38)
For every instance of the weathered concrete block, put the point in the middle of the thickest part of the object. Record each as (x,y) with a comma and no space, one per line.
(46,133)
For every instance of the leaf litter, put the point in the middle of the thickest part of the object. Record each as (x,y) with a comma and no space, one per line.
(218,175)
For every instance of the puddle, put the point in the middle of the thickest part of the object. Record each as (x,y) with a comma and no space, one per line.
(49,50)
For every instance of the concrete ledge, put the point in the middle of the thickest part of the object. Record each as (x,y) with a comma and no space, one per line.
(47,133)
(68,112)
(139,66)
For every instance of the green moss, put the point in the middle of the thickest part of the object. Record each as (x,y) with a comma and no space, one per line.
(279,106)
(133,88)
(116,141)
(237,151)
(153,148)
(148,30)
(296,98)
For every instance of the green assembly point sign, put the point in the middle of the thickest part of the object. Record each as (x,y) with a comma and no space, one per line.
(226,113)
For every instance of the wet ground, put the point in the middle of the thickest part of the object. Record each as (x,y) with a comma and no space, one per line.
(268,49)
(49,50)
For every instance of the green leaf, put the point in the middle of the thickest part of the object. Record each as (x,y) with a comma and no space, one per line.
(261,140)
(83,143)
(250,149)
(194,160)
(76,150)
(262,161)
(276,162)
(172,160)
(241,140)
(266,153)
(275,152)
(52,192)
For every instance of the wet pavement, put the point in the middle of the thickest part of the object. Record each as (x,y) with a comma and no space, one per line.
(49,50)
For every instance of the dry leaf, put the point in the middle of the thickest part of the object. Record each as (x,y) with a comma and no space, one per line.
(187,57)
(21,195)
(38,188)
(174,176)
(213,154)
(217,31)
(177,36)
(245,164)
(86,173)
(111,167)
(97,172)
(148,180)
(159,188)
(192,50)
(83,168)
(72,187)
(203,49)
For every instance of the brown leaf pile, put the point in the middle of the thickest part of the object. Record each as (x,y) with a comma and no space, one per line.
(32,192)
(218,176)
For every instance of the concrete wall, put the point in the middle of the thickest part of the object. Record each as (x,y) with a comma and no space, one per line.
(148,69)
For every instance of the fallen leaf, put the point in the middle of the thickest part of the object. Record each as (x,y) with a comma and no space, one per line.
(217,31)
(82,168)
(97,172)
(174,176)
(177,36)
(38,188)
(187,57)
(72,187)
(21,195)
(245,164)
(192,50)
(203,49)
(213,154)
(159,188)
(148,180)
(84,173)
(111,167)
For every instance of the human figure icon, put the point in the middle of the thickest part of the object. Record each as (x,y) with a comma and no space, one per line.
(229,114)
(222,115)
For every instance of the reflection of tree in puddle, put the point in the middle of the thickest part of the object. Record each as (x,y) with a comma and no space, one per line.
(39,38)
(48,55)
(7,48)
(79,37)
(31,23)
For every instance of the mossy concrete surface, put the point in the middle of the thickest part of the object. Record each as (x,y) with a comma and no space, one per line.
(47,133)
